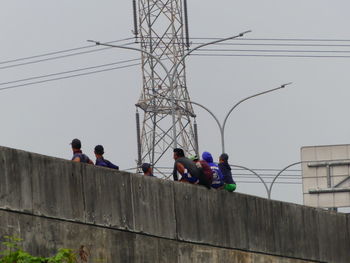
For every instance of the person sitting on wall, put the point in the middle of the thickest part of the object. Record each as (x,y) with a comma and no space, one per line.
(100,161)
(225,168)
(206,173)
(78,155)
(147,169)
(185,167)
(217,175)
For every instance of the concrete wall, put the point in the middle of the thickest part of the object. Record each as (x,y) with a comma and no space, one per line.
(110,245)
(52,202)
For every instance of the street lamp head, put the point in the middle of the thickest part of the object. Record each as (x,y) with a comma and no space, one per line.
(284,85)
(93,41)
(243,33)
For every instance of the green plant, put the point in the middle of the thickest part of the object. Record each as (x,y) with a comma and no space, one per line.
(15,254)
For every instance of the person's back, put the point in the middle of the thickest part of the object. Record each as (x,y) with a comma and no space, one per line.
(217,175)
(187,168)
(78,155)
(206,174)
(100,161)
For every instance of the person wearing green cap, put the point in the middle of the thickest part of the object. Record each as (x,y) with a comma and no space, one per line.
(225,168)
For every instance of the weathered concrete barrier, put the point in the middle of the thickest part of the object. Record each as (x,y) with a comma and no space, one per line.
(52,203)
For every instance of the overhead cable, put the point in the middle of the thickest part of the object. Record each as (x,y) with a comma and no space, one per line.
(70,71)
(60,51)
(259,55)
(67,77)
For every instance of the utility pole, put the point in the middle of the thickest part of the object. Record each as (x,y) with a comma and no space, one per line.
(160,27)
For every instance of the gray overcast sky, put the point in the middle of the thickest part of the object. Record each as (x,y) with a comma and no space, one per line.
(266,132)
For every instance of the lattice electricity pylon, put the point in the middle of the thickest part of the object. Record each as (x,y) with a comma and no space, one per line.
(160,29)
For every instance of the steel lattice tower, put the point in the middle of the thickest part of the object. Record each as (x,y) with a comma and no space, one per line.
(160,29)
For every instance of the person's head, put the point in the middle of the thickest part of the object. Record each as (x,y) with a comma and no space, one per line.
(99,151)
(178,152)
(194,158)
(76,144)
(146,168)
(206,156)
(223,158)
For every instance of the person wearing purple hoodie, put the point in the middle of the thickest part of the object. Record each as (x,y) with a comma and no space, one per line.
(217,175)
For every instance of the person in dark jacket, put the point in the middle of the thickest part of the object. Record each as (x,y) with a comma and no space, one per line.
(78,155)
(100,161)
(225,168)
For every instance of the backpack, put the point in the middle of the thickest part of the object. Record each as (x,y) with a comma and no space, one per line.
(205,173)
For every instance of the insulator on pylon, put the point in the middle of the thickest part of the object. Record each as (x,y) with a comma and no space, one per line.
(138,134)
(136,32)
(186,25)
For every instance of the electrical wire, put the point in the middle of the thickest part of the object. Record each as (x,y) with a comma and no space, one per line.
(258,55)
(194,38)
(273,45)
(67,77)
(273,50)
(60,51)
(262,39)
(248,182)
(57,57)
(70,71)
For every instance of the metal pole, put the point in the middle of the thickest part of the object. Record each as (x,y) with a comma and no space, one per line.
(138,139)
(195,127)
(222,131)
(279,173)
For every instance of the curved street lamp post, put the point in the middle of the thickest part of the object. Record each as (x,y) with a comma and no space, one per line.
(223,125)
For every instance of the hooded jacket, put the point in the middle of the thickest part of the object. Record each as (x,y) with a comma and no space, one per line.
(217,175)
(226,171)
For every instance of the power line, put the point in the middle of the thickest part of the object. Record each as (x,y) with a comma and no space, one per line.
(196,38)
(276,56)
(67,77)
(258,182)
(285,177)
(281,39)
(278,44)
(57,57)
(59,52)
(273,50)
(70,71)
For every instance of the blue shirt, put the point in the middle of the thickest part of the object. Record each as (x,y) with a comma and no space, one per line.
(105,163)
